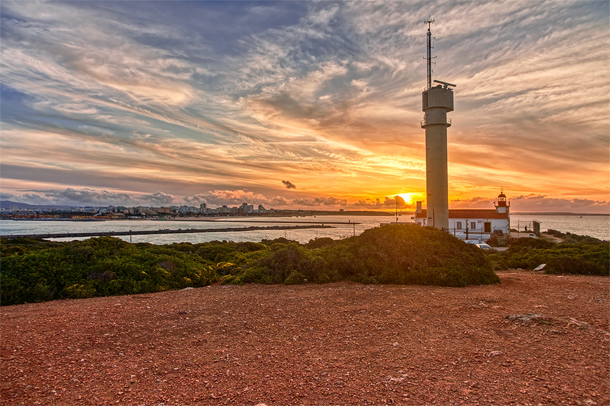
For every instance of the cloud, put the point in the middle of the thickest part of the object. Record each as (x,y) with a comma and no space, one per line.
(319,201)
(388,203)
(186,97)
(85,196)
(531,196)
(233,197)
(195,199)
(471,200)
(7,196)
(237,197)
(396,201)
(156,198)
(288,184)
(215,198)
(92,197)
(536,203)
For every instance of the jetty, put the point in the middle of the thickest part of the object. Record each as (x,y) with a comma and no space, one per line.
(164,231)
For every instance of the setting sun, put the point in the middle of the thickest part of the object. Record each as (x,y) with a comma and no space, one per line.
(406,196)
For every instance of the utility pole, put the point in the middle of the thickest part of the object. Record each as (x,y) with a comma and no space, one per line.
(396,202)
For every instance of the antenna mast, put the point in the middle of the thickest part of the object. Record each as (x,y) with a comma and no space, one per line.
(429,21)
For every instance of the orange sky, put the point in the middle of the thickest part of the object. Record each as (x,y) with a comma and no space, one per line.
(219,102)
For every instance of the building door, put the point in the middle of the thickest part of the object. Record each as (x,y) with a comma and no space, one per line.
(487,227)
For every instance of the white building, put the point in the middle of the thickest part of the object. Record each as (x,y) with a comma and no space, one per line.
(473,224)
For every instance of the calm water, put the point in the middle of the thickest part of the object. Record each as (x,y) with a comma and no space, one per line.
(8,227)
(595,226)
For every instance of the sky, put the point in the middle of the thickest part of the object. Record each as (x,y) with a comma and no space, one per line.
(302,104)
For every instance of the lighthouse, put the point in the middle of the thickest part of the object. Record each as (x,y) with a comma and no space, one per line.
(437,101)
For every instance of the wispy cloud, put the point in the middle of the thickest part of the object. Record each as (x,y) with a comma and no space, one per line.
(185,99)
(288,184)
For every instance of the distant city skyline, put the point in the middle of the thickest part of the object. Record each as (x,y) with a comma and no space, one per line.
(311,105)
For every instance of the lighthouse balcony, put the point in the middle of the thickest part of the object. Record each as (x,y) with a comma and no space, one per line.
(431,121)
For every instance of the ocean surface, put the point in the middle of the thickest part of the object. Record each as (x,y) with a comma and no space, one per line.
(594,226)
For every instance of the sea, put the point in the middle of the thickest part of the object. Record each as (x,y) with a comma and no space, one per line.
(597,226)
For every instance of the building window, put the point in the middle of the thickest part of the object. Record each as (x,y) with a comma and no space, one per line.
(459,225)
(473,225)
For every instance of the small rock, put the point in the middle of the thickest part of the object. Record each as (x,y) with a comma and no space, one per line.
(525,319)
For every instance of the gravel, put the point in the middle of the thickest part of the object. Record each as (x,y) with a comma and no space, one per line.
(533,339)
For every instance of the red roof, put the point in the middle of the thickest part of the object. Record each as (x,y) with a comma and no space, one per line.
(489,214)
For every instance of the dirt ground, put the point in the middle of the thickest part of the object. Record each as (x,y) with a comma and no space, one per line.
(533,339)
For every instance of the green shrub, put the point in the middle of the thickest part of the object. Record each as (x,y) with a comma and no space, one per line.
(37,270)
(571,265)
(526,243)
(98,267)
(409,254)
(587,256)
(320,243)
(295,278)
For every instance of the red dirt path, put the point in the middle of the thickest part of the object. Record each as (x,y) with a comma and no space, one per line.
(341,343)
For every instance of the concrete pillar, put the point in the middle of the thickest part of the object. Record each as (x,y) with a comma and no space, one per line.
(436,102)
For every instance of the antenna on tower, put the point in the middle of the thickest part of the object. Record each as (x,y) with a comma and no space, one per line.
(429,21)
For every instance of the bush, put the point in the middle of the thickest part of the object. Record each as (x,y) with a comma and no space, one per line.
(285,259)
(409,254)
(319,243)
(97,267)
(587,256)
(295,278)
(526,243)
(571,265)
(38,270)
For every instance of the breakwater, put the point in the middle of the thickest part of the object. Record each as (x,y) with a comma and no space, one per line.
(164,231)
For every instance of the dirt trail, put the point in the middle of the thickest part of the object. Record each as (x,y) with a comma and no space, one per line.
(533,339)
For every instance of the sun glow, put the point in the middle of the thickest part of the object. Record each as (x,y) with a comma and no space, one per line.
(407,197)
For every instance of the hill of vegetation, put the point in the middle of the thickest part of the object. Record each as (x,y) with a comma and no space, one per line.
(38,270)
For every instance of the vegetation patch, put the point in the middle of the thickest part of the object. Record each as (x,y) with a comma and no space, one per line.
(35,270)
(582,255)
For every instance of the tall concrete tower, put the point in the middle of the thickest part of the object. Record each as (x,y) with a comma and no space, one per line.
(436,102)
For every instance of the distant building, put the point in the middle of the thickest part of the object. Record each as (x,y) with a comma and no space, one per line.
(473,224)
(188,210)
